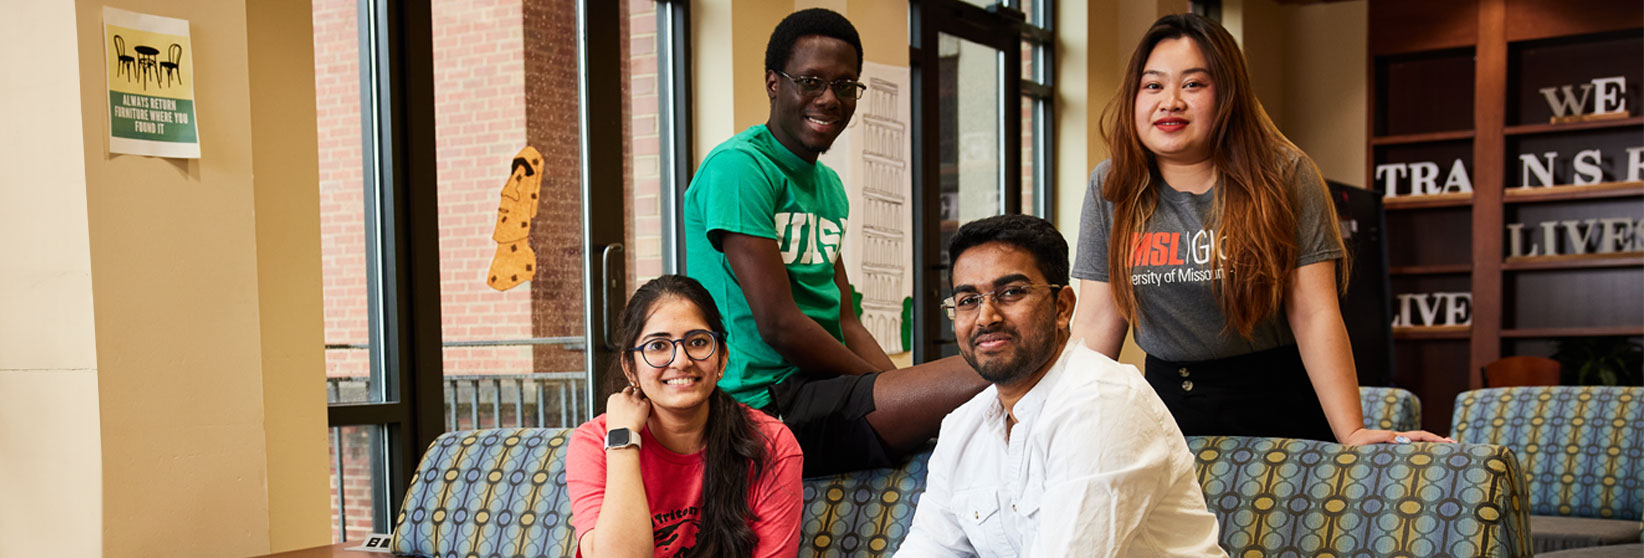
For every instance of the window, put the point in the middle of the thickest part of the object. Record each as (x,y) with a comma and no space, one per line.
(441,314)
(982,116)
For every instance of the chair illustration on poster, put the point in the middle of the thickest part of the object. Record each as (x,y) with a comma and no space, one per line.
(128,63)
(146,65)
(174,58)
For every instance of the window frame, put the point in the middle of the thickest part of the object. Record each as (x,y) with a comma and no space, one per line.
(402,221)
(1004,27)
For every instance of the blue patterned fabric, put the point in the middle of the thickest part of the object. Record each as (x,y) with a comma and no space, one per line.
(1581,447)
(498,492)
(1289,497)
(866,513)
(1390,408)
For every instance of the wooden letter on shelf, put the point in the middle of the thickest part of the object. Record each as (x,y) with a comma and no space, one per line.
(1567,103)
(1435,309)
(1586,166)
(1530,164)
(1423,178)
(1601,236)
(1610,102)
(1612,95)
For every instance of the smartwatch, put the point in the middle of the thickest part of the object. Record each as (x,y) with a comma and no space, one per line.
(619,438)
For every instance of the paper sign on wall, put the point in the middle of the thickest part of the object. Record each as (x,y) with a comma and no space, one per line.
(150,72)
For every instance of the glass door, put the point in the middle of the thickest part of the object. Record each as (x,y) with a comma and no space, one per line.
(967,111)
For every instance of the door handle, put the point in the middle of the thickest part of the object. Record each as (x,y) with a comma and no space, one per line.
(607,284)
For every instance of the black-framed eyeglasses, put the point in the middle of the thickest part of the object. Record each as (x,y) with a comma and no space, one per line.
(699,345)
(967,303)
(811,86)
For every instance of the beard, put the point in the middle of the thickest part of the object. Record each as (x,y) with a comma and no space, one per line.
(1032,352)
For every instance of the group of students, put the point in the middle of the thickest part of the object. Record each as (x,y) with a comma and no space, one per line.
(1207,232)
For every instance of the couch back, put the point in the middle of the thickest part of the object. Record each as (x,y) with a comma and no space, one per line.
(1390,408)
(1281,497)
(498,492)
(503,491)
(1581,447)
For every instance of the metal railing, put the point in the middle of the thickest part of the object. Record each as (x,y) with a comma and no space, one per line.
(540,399)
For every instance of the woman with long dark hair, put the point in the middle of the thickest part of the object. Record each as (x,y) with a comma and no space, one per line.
(1215,237)
(675,467)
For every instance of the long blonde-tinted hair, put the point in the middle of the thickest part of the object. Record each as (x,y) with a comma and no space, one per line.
(1254,214)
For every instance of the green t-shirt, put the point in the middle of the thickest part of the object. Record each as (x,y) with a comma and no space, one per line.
(753,185)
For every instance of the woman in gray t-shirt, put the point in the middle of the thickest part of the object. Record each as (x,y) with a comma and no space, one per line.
(1229,256)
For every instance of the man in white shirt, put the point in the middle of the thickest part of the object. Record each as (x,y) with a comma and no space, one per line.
(1069,455)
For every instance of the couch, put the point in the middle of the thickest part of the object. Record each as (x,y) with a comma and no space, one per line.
(1582,452)
(502,492)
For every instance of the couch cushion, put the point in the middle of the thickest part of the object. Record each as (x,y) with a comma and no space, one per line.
(1553,532)
(1580,447)
(866,513)
(1287,497)
(1613,551)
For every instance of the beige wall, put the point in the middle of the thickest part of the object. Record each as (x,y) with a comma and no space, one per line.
(206,290)
(1308,67)
(50,444)
(285,165)
(728,56)
(1327,88)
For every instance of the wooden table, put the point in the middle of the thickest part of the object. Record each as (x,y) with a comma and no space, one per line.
(339,550)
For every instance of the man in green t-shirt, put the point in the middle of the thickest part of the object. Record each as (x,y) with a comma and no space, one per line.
(764,225)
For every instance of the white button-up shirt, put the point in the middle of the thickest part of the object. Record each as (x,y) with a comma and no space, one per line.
(1095,466)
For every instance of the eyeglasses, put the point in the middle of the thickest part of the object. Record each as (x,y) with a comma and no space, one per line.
(1007,295)
(698,344)
(811,86)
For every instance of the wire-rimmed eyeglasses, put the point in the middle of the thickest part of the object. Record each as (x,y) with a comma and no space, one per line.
(967,303)
(811,86)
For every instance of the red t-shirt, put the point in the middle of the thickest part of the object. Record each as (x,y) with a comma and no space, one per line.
(673,488)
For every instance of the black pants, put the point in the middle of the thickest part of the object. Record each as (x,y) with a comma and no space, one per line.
(828,417)
(1265,393)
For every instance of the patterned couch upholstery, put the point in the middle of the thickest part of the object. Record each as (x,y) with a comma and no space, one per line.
(1582,452)
(489,493)
(861,514)
(1288,497)
(503,492)
(1390,408)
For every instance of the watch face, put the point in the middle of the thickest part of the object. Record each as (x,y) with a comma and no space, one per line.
(618,438)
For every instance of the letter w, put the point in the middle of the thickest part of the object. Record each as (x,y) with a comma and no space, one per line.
(1570,103)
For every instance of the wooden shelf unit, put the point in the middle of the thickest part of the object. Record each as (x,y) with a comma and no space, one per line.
(1429,201)
(1414,333)
(1574,192)
(1460,80)
(1441,269)
(1530,129)
(1574,261)
(1558,332)
(1428,137)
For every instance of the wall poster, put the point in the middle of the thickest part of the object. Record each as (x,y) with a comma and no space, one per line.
(873,159)
(150,71)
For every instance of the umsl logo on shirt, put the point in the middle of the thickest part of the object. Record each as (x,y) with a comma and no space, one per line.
(1175,250)
(807,238)
(1171,248)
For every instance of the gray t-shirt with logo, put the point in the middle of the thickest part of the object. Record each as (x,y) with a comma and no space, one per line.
(1179,318)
